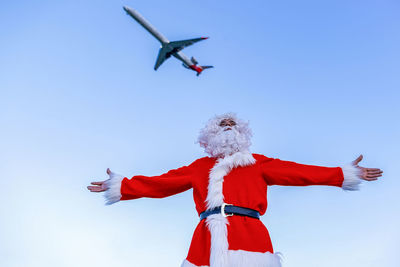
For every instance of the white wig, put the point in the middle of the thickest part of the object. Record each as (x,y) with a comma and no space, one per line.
(218,142)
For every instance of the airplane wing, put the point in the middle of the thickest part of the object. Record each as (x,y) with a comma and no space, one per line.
(185,43)
(162,56)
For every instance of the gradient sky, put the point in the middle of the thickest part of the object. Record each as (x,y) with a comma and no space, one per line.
(319,82)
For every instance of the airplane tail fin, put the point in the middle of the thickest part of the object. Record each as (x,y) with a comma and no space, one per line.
(203,68)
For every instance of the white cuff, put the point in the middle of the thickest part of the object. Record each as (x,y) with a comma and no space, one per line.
(113,193)
(351,176)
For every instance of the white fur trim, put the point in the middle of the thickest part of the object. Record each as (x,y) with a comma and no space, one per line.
(241,258)
(113,184)
(351,176)
(219,240)
(187,263)
(217,223)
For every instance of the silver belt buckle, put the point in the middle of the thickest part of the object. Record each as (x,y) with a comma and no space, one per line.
(223,210)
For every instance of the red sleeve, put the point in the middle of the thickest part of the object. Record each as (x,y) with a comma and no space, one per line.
(279,172)
(167,184)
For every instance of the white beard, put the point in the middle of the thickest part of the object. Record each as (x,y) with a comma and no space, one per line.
(226,143)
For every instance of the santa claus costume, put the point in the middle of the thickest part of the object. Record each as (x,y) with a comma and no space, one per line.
(230,175)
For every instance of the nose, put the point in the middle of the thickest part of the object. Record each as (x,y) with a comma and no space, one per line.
(227,123)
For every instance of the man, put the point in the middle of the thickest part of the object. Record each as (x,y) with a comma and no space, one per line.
(229,189)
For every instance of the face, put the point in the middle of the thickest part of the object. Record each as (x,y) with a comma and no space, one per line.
(228,123)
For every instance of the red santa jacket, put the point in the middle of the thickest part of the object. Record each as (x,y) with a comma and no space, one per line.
(242,180)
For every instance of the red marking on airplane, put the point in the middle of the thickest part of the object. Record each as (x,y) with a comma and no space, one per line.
(196,68)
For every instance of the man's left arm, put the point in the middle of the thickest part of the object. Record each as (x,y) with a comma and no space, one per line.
(279,172)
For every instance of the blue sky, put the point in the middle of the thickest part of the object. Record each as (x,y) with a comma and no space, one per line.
(318,81)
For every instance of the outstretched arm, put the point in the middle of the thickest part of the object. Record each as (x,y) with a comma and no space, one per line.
(118,187)
(279,172)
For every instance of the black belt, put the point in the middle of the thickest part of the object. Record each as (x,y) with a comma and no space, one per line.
(230,210)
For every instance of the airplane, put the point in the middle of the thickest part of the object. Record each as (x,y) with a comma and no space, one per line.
(168,48)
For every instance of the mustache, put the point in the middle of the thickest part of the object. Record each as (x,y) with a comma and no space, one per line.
(228,128)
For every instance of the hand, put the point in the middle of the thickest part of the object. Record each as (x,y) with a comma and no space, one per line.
(99,186)
(367,174)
